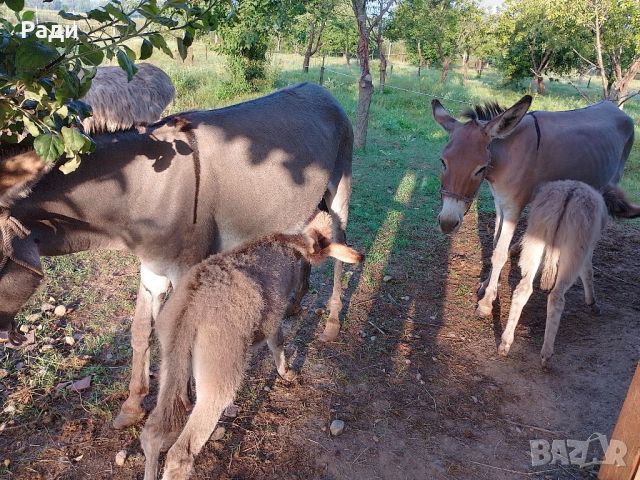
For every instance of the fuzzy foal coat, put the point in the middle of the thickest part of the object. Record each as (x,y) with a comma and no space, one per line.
(564,225)
(207,327)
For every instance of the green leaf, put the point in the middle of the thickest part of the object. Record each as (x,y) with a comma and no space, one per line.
(126,64)
(188,38)
(146,49)
(32,128)
(28,16)
(70,16)
(70,87)
(49,146)
(91,54)
(117,13)
(15,5)
(130,53)
(70,165)
(182,50)
(32,55)
(158,41)
(98,15)
(73,140)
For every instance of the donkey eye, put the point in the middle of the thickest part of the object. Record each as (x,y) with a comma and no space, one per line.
(480,170)
(444,165)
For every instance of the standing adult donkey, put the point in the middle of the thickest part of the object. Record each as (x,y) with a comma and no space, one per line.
(516,152)
(175,192)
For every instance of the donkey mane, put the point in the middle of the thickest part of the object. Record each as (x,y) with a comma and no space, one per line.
(485,112)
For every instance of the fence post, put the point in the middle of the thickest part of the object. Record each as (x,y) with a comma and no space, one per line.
(322,71)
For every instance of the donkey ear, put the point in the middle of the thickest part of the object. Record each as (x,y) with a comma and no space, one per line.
(338,251)
(443,117)
(343,252)
(503,124)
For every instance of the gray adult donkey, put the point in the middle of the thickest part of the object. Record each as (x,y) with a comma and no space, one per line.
(173,193)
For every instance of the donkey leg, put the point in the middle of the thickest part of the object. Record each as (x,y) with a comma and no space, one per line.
(152,288)
(301,288)
(529,264)
(276,342)
(152,440)
(498,259)
(215,389)
(339,207)
(555,307)
(586,276)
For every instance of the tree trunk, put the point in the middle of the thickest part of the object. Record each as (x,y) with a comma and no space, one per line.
(365,90)
(419,57)
(538,81)
(383,63)
(309,51)
(601,67)
(465,67)
(444,70)
(624,78)
(347,58)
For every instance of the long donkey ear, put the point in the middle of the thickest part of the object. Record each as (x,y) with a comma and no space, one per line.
(443,117)
(338,251)
(503,124)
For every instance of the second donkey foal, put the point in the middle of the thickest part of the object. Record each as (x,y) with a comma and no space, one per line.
(564,225)
(225,304)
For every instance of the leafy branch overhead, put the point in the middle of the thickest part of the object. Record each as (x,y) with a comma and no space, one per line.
(46,68)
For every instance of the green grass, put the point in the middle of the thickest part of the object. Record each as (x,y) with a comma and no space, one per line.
(393,209)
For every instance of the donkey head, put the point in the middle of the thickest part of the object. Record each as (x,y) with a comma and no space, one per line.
(466,156)
(320,244)
(17,284)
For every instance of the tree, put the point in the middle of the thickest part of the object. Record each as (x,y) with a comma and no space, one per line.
(430,29)
(245,38)
(377,15)
(535,40)
(470,32)
(484,43)
(340,36)
(613,27)
(311,27)
(45,68)
(365,84)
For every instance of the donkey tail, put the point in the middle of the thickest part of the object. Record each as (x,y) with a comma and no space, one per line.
(617,203)
(568,217)
(550,267)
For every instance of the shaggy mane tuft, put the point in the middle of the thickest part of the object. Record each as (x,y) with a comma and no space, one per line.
(485,112)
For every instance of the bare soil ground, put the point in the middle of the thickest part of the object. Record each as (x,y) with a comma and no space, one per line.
(414,375)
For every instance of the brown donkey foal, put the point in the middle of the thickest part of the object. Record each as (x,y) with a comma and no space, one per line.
(226,303)
(564,225)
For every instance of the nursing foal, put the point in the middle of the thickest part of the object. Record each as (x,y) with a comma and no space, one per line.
(564,225)
(224,305)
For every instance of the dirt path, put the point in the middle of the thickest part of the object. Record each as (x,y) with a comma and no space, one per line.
(414,375)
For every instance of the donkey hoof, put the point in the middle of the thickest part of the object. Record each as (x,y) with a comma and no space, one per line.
(545,362)
(290,375)
(595,308)
(503,349)
(330,332)
(126,419)
(483,311)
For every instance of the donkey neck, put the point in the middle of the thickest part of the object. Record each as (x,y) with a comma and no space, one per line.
(512,165)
